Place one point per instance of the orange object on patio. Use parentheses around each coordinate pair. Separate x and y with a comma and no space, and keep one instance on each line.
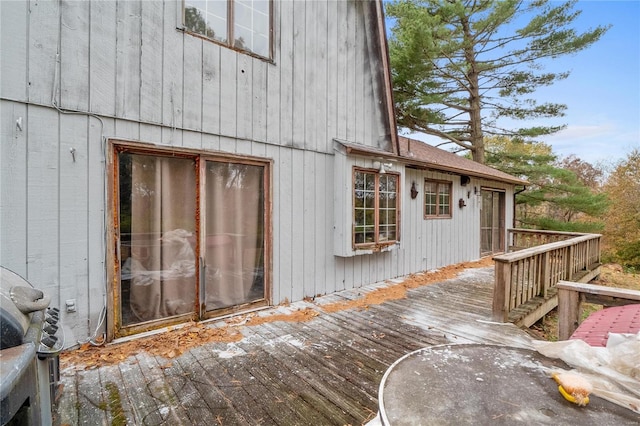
(620,319)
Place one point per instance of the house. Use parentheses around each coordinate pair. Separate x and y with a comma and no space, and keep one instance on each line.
(165,161)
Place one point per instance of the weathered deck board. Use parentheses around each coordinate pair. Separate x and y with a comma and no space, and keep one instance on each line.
(325,371)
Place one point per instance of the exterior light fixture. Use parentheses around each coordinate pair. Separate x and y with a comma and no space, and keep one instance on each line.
(414,191)
(381,166)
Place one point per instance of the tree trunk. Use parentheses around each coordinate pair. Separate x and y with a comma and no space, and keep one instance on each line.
(475,114)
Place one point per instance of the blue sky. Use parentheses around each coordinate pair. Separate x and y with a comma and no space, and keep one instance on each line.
(603,91)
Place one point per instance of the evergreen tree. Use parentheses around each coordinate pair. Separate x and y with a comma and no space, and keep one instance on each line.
(458,66)
(556,198)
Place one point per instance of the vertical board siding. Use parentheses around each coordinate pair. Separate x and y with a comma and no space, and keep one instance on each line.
(13,188)
(192,93)
(73,236)
(96,217)
(244,105)
(13,66)
(128,59)
(172,69)
(151,19)
(74,55)
(312,75)
(273,152)
(284,225)
(130,64)
(44,32)
(300,78)
(259,101)
(43,204)
(102,58)
(309,193)
(211,99)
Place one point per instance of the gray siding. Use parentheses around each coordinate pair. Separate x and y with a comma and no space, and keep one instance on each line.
(121,69)
(124,59)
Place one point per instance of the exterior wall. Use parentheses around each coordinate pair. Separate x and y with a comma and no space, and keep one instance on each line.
(76,73)
(433,243)
(116,69)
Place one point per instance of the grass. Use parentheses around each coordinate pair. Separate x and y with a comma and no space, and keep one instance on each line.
(611,275)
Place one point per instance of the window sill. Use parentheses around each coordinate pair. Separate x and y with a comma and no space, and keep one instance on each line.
(377,248)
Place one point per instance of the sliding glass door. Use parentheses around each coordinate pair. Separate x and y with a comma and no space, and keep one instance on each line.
(492,222)
(190,237)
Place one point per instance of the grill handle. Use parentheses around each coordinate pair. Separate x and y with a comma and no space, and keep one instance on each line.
(29,299)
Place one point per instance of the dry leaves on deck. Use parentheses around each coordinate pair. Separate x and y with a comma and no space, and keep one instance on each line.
(169,344)
(399,291)
(301,315)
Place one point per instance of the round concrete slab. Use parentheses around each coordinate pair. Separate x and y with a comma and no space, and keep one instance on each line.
(484,384)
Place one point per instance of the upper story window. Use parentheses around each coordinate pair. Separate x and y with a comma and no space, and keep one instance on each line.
(375,208)
(437,199)
(242,24)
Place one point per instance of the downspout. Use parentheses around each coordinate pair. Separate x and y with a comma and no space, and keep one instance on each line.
(524,188)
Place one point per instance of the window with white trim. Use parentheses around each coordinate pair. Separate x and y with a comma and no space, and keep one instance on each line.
(241,24)
(437,199)
(375,201)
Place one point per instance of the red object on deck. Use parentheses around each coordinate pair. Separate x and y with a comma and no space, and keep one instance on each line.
(620,319)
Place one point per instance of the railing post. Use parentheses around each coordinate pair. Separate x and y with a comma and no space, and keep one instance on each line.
(568,313)
(569,263)
(501,291)
(545,274)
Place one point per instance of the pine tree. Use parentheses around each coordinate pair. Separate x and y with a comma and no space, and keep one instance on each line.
(459,66)
(555,199)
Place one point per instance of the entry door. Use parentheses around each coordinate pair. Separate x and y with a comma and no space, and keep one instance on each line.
(190,237)
(492,222)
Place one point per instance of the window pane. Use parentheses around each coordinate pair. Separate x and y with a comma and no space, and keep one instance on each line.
(234,234)
(359,217)
(382,200)
(369,217)
(157,203)
(445,199)
(206,17)
(251,26)
(370,236)
(430,198)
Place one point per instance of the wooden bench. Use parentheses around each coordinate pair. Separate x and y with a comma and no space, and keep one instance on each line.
(571,295)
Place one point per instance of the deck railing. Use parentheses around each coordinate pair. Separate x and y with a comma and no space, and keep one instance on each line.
(534,270)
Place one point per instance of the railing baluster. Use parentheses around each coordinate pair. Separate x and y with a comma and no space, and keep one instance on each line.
(533,271)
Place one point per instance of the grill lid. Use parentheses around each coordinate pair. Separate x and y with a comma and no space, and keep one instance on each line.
(18,299)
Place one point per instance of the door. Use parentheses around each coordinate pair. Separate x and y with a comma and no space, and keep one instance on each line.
(492,222)
(234,235)
(190,237)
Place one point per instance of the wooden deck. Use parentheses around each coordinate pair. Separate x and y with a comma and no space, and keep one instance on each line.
(325,371)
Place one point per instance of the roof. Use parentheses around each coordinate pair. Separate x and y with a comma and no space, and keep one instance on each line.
(424,155)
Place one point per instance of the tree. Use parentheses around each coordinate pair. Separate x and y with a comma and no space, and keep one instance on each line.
(458,66)
(587,173)
(556,198)
(622,223)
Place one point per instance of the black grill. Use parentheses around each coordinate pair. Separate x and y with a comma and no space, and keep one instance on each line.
(30,343)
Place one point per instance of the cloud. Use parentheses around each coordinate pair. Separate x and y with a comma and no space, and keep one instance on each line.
(595,143)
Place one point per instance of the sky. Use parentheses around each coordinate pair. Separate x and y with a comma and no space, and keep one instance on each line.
(602,92)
